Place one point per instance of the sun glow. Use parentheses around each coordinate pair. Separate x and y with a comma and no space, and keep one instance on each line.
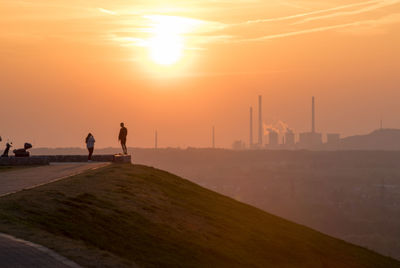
(167,43)
(166,49)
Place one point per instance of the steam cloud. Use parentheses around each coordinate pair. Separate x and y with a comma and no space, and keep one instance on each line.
(279,126)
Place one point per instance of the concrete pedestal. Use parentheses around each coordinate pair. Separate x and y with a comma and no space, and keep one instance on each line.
(122,159)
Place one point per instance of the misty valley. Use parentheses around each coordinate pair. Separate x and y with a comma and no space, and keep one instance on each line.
(352,195)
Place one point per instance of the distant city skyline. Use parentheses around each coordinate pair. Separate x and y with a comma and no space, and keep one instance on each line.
(215,140)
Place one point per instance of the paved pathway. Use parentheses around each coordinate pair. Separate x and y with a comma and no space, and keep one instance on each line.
(19,253)
(17,180)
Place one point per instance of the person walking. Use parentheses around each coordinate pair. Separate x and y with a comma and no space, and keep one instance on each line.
(90,145)
(123,132)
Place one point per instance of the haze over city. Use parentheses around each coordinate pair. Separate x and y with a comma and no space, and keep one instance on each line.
(70,67)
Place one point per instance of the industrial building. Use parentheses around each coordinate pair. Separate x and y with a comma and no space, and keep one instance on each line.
(290,138)
(311,140)
(238,145)
(333,138)
(307,140)
(273,139)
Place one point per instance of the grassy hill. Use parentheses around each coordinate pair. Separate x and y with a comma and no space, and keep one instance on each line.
(124,215)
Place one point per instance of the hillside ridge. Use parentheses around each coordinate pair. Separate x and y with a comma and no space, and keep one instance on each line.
(125,215)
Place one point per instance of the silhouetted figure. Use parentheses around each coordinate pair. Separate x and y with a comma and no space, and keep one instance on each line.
(123,132)
(90,145)
(23,152)
(8,146)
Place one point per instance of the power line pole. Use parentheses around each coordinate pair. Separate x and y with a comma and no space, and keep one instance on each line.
(155,140)
(213,137)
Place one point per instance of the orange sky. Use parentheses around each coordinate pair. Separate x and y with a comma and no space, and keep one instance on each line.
(70,67)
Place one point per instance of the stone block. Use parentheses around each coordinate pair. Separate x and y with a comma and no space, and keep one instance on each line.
(122,159)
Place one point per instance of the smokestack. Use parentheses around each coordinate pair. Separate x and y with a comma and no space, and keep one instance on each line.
(251,128)
(213,137)
(260,125)
(155,140)
(313,116)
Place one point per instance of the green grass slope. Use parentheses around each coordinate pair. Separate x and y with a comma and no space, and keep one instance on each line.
(124,215)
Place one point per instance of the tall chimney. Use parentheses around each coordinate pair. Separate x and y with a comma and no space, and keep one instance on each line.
(260,125)
(251,128)
(155,140)
(213,137)
(313,116)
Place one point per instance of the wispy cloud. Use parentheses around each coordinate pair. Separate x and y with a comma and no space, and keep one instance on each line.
(390,19)
(197,32)
(306,14)
(300,32)
(107,11)
(131,25)
(295,28)
(378,5)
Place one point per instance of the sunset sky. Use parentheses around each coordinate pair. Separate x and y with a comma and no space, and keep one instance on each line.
(72,67)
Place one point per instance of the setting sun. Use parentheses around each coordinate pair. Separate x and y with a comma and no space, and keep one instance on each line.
(167,43)
(166,48)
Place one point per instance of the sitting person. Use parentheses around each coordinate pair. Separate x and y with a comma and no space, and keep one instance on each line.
(8,146)
(23,151)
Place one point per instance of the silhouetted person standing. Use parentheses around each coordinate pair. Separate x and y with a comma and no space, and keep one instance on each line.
(123,132)
(90,145)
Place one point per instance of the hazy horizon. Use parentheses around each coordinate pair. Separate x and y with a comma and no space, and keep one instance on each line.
(72,67)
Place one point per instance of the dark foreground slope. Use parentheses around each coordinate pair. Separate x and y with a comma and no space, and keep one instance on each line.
(135,215)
